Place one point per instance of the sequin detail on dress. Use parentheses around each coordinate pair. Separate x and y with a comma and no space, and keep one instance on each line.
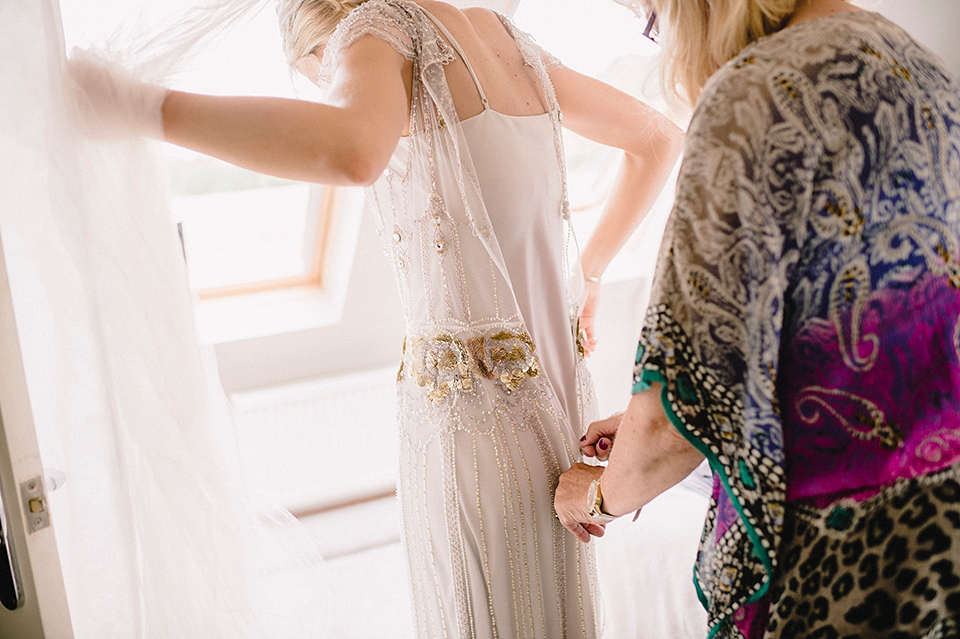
(446,366)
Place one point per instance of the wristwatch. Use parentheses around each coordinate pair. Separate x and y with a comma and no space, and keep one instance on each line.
(595,503)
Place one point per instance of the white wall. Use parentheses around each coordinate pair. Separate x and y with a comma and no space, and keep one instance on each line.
(935,23)
(368,334)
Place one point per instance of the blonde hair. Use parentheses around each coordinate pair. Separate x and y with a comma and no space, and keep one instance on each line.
(702,35)
(308,24)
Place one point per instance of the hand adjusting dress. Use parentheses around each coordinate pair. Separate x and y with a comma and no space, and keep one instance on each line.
(492,391)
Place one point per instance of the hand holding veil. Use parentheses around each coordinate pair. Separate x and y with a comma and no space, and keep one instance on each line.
(113,102)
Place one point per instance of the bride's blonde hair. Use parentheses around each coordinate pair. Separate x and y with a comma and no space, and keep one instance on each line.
(308,24)
(702,35)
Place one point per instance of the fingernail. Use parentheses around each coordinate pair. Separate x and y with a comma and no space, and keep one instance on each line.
(602,444)
(584,438)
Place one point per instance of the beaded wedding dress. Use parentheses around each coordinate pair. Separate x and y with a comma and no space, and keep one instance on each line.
(492,392)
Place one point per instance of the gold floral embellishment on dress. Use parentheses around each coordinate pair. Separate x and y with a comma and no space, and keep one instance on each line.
(506,356)
(445,365)
(581,340)
(402,359)
(442,366)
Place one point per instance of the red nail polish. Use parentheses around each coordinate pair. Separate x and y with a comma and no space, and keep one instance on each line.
(602,444)
(584,438)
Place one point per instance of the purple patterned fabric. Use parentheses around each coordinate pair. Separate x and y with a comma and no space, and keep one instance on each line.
(849,430)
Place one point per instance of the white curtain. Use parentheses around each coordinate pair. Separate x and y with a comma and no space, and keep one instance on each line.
(158,536)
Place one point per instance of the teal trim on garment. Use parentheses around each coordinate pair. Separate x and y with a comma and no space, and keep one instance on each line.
(700,594)
(651,376)
(639,387)
(745,476)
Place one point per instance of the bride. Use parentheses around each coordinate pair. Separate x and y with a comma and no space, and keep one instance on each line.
(452,119)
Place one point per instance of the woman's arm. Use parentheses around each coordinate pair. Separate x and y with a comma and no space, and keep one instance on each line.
(651,145)
(650,457)
(347,140)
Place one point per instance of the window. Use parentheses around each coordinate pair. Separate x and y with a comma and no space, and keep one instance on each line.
(247,233)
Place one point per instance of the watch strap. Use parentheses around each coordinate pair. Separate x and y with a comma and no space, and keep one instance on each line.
(596,509)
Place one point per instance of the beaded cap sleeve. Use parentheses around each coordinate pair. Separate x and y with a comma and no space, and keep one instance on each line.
(817,196)
(391,22)
(528,46)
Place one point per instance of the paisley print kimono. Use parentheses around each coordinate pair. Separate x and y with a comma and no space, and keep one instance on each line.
(805,324)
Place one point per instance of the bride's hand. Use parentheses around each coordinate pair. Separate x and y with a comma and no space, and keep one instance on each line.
(588,317)
(112,102)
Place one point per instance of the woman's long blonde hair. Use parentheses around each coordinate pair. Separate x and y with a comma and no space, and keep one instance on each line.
(308,24)
(702,35)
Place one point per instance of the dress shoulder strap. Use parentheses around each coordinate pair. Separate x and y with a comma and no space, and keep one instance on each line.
(456,46)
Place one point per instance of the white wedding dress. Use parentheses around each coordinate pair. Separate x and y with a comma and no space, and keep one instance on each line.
(492,391)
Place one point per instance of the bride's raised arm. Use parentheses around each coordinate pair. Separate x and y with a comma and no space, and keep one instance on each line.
(347,140)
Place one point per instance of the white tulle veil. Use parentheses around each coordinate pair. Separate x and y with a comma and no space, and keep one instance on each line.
(158,535)
(634,5)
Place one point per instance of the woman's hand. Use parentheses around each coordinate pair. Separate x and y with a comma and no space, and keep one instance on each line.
(570,502)
(652,455)
(112,102)
(598,442)
(588,316)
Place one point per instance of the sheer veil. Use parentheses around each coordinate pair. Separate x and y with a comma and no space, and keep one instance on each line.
(157,533)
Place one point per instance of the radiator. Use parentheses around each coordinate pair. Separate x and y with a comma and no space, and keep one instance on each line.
(318,442)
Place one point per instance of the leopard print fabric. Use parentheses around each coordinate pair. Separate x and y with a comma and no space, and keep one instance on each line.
(887,566)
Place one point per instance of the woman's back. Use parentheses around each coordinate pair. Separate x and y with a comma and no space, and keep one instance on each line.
(511,86)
